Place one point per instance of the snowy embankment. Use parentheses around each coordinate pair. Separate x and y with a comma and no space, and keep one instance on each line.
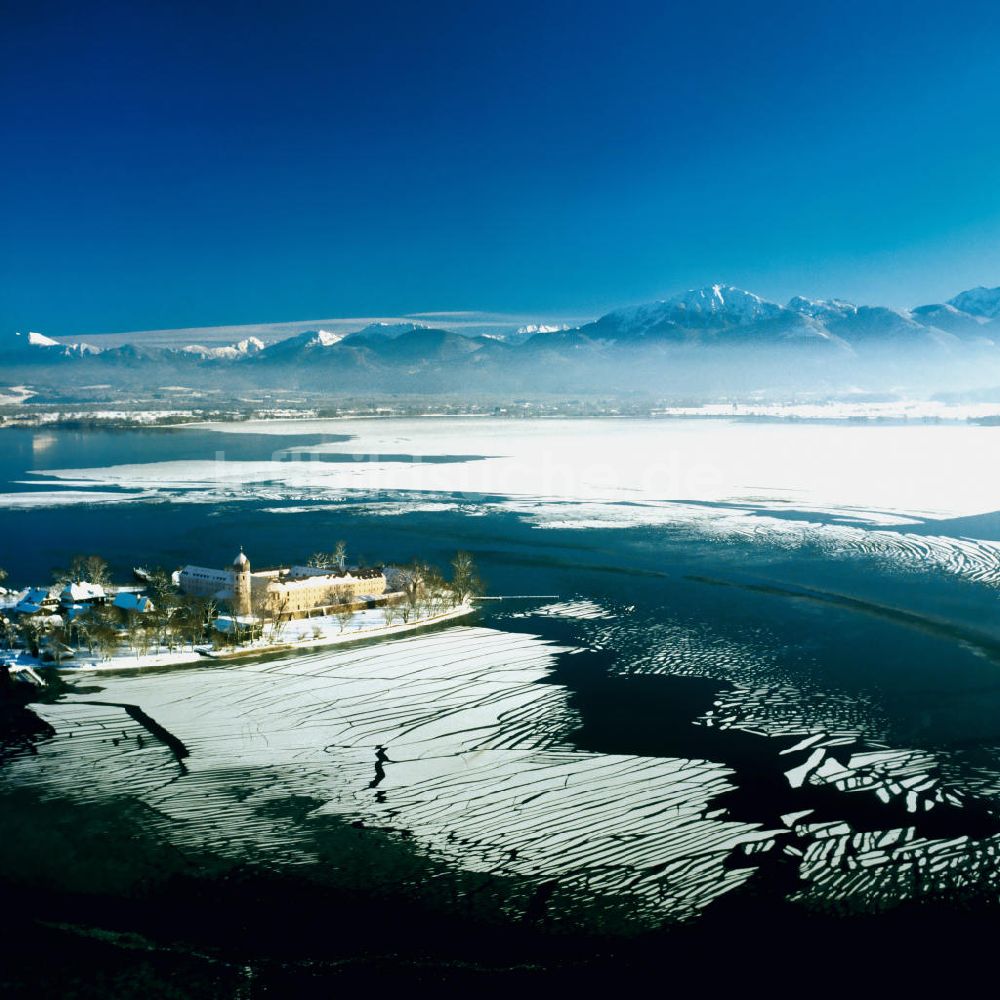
(310,633)
(305,633)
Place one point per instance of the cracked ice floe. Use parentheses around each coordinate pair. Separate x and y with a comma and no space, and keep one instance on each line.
(973,559)
(96,748)
(888,774)
(582,610)
(976,770)
(769,695)
(875,870)
(448,736)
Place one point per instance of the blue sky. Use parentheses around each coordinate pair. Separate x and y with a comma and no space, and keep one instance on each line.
(167,165)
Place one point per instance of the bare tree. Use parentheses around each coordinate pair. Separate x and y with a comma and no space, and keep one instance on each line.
(31,634)
(433,590)
(340,554)
(193,616)
(58,645)
(91,569)
(100,632)
(465,582)
(270,610)
(136,634)
(408,605)
(344,612)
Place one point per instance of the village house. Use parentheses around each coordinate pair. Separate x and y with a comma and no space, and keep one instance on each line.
(127,600)
(38,601)
(79,596)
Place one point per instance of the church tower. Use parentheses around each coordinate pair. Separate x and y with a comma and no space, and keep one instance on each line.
(241,584)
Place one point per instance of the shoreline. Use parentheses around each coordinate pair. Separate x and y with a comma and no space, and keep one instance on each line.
(203,654)
(915,413)
(357,635)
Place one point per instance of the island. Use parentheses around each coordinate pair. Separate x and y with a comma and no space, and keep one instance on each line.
(85,622)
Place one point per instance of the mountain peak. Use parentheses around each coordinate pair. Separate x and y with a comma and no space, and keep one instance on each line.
(715,306)
(822,308)
(50,347)
(251,345)
(979,301)
(385,331)
(721,299)
(325,338)
(40,340)
(531,328)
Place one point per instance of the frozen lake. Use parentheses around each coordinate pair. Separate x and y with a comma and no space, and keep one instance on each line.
(766,675)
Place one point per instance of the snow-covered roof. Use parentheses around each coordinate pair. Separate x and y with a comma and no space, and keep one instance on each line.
(32,601)
(27,608)
(226,623)
(38,594)
(311,573)
(81,590)
(133,602)
(205,573)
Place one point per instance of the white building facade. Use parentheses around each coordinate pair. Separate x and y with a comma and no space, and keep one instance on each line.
(293,592)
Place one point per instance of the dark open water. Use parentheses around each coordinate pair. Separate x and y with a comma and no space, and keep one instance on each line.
(666,647)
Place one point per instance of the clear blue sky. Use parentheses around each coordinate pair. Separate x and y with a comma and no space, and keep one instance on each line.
(167,164)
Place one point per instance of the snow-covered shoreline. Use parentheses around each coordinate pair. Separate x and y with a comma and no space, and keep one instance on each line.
(290,641)
(336,639)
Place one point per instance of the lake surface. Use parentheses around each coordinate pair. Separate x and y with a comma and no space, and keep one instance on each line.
(743,675)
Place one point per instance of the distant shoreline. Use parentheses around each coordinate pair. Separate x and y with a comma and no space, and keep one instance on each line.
(918,413)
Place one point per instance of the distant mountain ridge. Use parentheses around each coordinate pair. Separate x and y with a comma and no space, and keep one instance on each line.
(717,340)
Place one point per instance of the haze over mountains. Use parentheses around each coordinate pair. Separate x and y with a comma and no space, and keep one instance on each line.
(717,341)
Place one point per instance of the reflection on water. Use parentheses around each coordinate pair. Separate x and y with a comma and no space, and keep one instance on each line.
(41,442)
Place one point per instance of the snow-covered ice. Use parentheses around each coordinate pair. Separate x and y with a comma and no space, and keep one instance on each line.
(449,736)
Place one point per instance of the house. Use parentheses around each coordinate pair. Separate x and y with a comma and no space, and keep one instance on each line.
(82,592)
(37,601)
(79,596)
(241,626)
(126,600)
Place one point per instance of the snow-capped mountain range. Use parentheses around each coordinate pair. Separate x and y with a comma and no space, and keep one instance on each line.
(242,349)
(717,336)
(721,311)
